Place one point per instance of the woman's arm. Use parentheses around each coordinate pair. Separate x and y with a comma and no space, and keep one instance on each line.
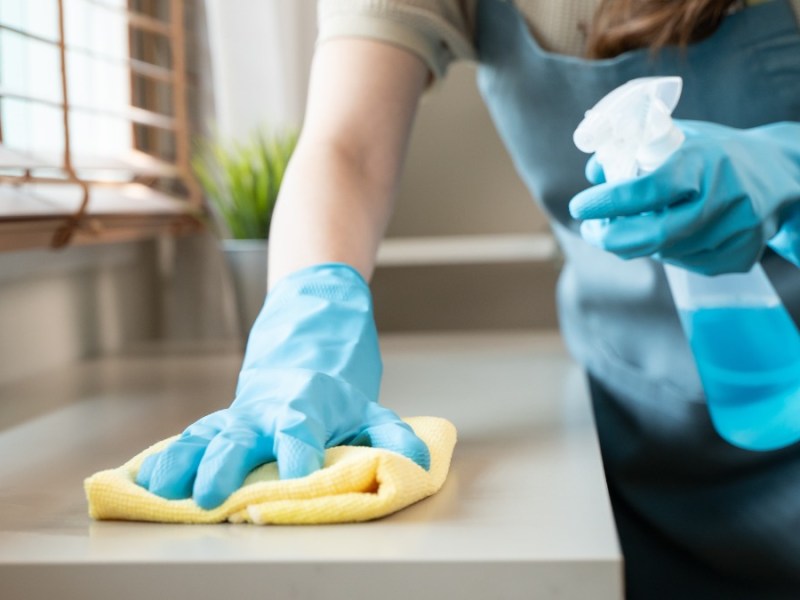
(338,190)
(312,369)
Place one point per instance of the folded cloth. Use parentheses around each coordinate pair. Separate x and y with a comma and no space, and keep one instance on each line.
(357,483)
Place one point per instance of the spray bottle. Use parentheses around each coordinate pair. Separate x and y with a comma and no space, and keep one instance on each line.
(745,345)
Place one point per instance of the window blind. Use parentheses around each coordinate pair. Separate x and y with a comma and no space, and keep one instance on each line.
(94,128)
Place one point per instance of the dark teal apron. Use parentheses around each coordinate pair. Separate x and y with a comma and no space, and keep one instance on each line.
(697,518)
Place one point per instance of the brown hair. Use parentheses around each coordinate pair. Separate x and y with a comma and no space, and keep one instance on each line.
(621,25)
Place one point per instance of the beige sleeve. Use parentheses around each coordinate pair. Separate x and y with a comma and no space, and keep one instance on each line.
(438,31)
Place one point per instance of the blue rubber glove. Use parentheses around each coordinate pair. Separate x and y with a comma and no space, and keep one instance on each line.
(710,208)
(310,380)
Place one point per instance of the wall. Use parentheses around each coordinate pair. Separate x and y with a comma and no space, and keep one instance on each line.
(260,62)
(459,178)
(56,307)
(59,307)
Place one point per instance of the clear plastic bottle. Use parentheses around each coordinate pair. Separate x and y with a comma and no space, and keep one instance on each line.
(745,345)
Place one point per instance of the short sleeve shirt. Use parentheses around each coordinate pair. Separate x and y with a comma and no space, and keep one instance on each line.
(441,31)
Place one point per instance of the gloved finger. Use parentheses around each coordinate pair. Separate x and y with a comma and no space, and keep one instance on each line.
(648,193)
(714,231)
(229,458)
(679,230)
(299,444)
(146,471)
(594,172)
(625,241)
(386,430)
(171,473)
(736,255)
(645,234)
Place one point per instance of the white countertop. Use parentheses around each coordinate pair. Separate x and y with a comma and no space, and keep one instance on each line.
(524,513)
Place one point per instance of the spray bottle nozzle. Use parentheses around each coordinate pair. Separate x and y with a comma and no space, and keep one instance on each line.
(631,129)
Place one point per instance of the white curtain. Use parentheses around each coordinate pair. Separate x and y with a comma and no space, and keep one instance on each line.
(261,53)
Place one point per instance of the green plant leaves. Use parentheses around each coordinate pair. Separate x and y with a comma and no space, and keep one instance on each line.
(242,180)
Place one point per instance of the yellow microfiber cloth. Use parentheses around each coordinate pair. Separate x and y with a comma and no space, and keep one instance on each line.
(356,484)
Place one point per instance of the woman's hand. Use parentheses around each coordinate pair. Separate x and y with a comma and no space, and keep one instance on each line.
(309,381)
(710,208)
(312,368)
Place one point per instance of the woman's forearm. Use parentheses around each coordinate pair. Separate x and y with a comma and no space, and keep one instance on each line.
(328,211)
(338,190)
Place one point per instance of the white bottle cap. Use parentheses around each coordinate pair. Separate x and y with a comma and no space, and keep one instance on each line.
(631,129)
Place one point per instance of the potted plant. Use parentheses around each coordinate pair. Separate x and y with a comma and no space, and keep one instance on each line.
(241,181)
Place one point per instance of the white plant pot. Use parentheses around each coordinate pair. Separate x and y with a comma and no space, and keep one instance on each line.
(247,262)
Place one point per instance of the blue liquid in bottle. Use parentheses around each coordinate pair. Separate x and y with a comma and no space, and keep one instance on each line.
(748,358)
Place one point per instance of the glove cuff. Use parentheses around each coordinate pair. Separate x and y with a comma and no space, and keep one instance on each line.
(329,282)
(337,270)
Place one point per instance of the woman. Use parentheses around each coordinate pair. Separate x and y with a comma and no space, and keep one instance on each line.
(698,518)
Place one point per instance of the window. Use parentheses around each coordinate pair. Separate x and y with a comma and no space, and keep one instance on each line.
(93,122)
